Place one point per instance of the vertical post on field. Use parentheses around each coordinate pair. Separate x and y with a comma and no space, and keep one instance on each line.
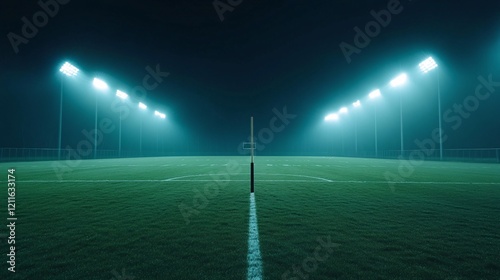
(60,120)
(251,157)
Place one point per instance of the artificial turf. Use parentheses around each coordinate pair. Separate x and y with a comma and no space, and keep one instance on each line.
(173,218)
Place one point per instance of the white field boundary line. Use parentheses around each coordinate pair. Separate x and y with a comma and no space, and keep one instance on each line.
(232,180)
(266,174)
(254,258)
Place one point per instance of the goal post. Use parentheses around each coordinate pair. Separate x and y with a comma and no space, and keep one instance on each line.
(252,154)
(252,148)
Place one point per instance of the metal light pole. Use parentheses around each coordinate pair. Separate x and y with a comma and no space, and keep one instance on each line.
(95,131)
(120,137)
(140,139)
(142,106)
(161,116)
(439,118)
(426,66)
(342,138)
(375,94)
(60,120)
(70,71)
(356,105)
(376,134)
(99,84)
(342,110)
(328,118)
(355,136)
(122,95)
(396,82)
(401,121)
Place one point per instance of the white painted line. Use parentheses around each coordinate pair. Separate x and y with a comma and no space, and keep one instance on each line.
(231,180)
(254,258)
(266,174)
(295,175)
(186,176)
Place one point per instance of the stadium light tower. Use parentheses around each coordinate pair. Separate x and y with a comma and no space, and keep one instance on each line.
(426,66)
(374,95)
(334,117)
(123,96)
(161,116)
(101,85)
(69,71)
(342,111)
(143,107)
(396,82)
(356,104)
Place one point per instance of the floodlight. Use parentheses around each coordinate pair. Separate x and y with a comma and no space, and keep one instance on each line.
(374,94)
(121,94)
(356,104)
(161,115)
(332,117)
(142,106)
(427,65)
(100,84)
(399,80)
(69,70)
(343,110)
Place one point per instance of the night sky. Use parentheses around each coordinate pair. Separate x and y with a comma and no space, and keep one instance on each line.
(263,56)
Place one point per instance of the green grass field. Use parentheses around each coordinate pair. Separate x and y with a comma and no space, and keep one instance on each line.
(188,218)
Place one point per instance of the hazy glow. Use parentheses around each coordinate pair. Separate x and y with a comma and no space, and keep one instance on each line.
(69,70)
(427,65)
(332,117)
(399,80)
(100,84)
(343,110)
(121,94)
(357,103)
(142,106)
(161,115)
(374,94)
